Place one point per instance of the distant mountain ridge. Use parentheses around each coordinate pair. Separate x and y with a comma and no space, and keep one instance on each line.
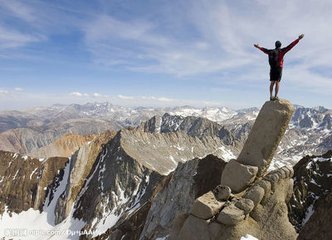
(43,118)
(25,132)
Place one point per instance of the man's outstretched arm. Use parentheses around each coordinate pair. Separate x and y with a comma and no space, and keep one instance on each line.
(290,46)
(264,50)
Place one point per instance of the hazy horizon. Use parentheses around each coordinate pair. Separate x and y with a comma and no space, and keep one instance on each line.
(147,106)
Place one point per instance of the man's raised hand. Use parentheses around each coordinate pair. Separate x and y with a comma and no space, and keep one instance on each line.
(301,36)
(256,45)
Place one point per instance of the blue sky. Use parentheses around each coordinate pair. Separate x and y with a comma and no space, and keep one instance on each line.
(161,52)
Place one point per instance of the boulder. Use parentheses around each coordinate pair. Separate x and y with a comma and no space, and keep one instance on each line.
(267,186)
(222,193)
(247,205)
(265,136)
(231,215)
(206,206)
(238,176)
(255,194)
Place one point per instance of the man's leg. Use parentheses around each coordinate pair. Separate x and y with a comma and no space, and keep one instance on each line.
(271,88)
(277,88)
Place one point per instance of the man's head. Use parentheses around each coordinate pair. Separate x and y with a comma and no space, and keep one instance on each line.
(278,44)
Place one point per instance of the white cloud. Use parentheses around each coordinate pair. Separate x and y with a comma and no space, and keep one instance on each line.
(96,95)
(12,39)
(11,92)
(144,98)
(19,10)
(87,95)
(3,92)
(125,97)
(23,31)
(160,99)
(79,94)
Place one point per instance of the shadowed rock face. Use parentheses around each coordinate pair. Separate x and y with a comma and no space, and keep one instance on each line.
(80,167)
(319,224)
(189,181)
(116,186)
(309,209)
(25,181)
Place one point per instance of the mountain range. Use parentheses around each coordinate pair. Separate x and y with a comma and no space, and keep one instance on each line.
(27,132)
(97,171)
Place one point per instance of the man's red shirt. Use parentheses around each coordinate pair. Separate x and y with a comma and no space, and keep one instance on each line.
(282,52)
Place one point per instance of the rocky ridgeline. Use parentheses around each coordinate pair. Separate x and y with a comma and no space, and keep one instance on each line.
(65,146)
(45,140)
(248,200)
(193,126)
(162,152)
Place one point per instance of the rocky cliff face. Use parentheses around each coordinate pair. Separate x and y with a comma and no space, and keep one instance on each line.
(309,206)
(319,224)
(173,203)
(25,181)
(81,165)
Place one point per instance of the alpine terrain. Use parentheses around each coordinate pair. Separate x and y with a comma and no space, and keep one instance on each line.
(100,171)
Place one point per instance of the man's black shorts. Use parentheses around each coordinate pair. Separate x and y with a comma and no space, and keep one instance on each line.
(275,74)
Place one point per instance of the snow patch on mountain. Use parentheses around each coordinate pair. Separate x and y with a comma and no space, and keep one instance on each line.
(214,114)
(33,224)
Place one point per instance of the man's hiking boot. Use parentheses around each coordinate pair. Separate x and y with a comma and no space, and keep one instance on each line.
(271,98)
(275,99)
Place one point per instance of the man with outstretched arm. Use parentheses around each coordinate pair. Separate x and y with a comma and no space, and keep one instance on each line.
(276,61)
